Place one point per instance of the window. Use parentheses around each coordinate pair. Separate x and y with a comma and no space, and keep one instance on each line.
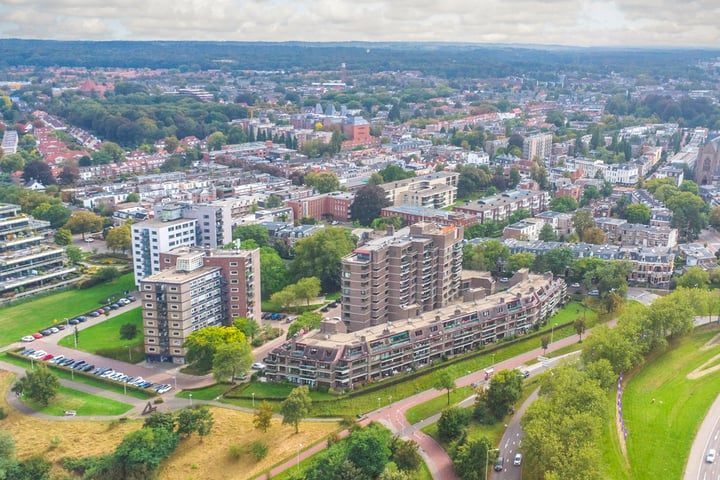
(148,296)
(148,305)
(176,334)
(173,289)
(151,349)
(233,272)
(234,281)
(176,350)
(151,340)
(234,290)
(176,342)
(151,332)
(173,297)
(149,324)
(174,315)
(148,314)
(233,264)
(167,260)
(175,324)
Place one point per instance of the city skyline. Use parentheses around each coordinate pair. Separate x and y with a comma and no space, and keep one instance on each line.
(637,23)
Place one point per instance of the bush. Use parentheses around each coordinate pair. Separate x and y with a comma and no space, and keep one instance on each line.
(259,450)
(3,415)
(55,442)
(235,452)
(158,400)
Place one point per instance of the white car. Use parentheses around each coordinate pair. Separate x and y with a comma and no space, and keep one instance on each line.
(38,354)
(710,457)
(28,338)
(518,459)
(258,366)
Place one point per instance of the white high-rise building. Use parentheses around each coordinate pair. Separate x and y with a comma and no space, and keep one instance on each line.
(151,238)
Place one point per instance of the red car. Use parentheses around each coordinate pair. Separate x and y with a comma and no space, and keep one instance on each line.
(37,335)
(100,311)
(47,357)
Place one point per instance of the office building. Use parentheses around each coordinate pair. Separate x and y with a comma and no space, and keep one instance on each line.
(402,274)
(197,288)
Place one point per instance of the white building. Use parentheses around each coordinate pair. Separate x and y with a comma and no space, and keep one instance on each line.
(151,238)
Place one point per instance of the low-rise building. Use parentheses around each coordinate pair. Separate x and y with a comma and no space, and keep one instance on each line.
(500,207)
(334,358)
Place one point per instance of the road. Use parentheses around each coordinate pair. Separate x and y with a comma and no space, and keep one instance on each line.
(708,437)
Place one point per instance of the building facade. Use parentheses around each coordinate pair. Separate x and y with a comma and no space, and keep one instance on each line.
(500,207)
(153,237)
(336,359)
(200,289)
(437,190)
(28,257)
(334,205)
(416,269)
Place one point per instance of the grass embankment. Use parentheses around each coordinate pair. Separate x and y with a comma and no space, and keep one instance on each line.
(84,404)
(104,338)
(663,409)
(29,317)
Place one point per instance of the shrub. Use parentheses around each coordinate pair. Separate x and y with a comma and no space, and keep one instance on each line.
(259,450)
(235,452)
(55,442)
(158,400)
(3,415)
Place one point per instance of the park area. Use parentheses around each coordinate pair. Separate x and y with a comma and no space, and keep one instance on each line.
(104,338)
(42,312)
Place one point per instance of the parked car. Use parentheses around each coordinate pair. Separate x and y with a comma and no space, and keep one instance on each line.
(594,293)
(54,329)
(575,285)
(37,335)
(45,333)
(258,366)
(27,352)
(518,459)
(93,314)
(27,338)
(81,318)
(504,280)
(60,326)
(47,357)
(57,359)
(74,321)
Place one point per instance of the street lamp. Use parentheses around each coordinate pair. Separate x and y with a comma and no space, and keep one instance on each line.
(487,457)
(191,399)
(552,332)
(298,456)
(253,395)
(378,402)
(129,354)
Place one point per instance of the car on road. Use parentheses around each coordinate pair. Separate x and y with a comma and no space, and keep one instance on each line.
(89,240)
(575,285)
(518,459)
(499,464)
(594,293)
(525,373)
(27,338)
(504,280)
(710,457)
(258,366)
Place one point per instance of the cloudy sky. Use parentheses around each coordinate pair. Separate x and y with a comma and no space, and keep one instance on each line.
(560,22)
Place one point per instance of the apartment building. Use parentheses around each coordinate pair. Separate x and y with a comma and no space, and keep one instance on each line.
(652,267)
(213,220)
(413,270)
(621,232)
(28,257)
(437,190)
(333,205)
(412,215)
(200,289)
(561,222)
(9,142)
(153,237)
(500,207)
(539,145)
(336,358)
(528,229)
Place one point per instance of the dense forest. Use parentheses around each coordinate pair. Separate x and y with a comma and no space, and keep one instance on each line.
(445,60)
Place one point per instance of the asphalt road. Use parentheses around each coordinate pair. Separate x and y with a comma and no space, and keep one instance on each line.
(708,437)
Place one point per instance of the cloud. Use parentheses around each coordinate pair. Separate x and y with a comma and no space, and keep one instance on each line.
(564,22)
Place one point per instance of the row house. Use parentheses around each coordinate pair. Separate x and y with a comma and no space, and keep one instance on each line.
(335,358)
(621,232)
(500,207)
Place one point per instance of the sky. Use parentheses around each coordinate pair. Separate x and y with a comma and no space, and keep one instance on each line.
(653,23)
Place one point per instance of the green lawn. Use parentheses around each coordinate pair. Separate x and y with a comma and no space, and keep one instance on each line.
(83,403)
(663,409)
(208,393)
(104,338)
(29,317)
(93,381)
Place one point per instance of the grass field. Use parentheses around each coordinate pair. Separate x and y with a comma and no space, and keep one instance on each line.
(83,403)
(87,380)
(104,338)
(29,317)
(663,409)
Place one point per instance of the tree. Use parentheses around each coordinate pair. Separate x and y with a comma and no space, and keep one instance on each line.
(368,203)
(296,406)
(556,260)
(171,144)
(202,344)
(394,173)
(63,237)
(519,261)
(452,423)
(470,459)
(405,454)
(307,288)
(119,238)
(544,342)
(197,418)
(74,254)
(84,222)
(368,449)
(248,326)
(594,236)
(40,171)
(132,197)
(216,140)
(547,233)
(504,390)
(582,221)
(688,214)
(263,417)
(141,451)
(492,252)
(714,217)
(128,331)
(252,232)
(273,272)
(579,325)
(285,297)
(445,381)
(307,321)
(694,277)
(637,213)
(12,163)
(56,214)
(164,420)
(320,256)
(323,182)
(231,358)
(40,385)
